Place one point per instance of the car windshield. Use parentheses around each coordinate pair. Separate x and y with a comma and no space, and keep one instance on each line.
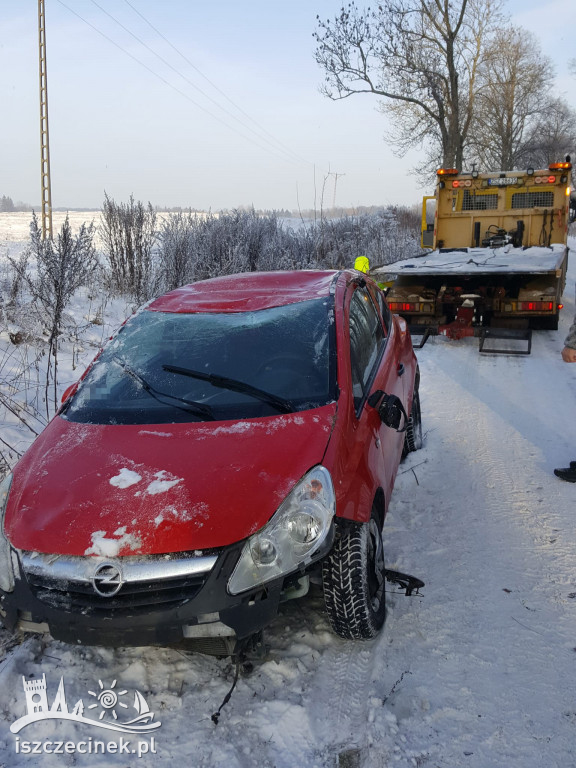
(166,367)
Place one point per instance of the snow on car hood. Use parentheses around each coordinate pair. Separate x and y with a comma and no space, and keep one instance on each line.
(85,489)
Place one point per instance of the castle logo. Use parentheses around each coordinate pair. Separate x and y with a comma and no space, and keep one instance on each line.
(112,708)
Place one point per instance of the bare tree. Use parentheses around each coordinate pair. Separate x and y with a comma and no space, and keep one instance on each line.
(62,268)
(552,135)
(6,204)
(512,102)
(421,57)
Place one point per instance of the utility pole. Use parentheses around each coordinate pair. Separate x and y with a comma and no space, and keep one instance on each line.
(44,139)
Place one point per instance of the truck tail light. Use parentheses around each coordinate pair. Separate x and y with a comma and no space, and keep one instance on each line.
(402,306)
(535,306)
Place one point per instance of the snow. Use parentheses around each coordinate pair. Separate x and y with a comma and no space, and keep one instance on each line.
(15,227)
(108,547)
(481,260)
(125,478)
(162,483)
(163,480)
(476,672)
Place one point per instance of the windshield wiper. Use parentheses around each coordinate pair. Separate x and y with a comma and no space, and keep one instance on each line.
(188,405)
(223,382)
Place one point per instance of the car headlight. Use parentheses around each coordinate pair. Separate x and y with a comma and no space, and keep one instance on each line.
(290,539)
(6,569)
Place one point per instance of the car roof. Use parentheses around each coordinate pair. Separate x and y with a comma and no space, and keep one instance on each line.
(248,291)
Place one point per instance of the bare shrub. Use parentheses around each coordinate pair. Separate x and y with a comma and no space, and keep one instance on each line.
(195,248)
(17,279)
(389,235)
(61,269)
(21,400)
(177,249)
(129,234)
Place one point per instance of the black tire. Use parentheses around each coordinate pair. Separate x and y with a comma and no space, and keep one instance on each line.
(413,437)
(354,582)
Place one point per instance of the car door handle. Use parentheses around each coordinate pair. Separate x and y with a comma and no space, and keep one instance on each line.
(400,370)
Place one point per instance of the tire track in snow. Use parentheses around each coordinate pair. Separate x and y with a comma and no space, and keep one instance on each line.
(515,487)
(343,683)
(492,528)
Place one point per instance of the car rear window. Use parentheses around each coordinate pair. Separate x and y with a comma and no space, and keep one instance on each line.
(152,371)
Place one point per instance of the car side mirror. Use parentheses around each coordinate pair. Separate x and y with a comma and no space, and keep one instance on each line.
(390,409)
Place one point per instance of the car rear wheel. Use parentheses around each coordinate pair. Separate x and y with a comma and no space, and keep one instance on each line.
(413,436)
(353,580)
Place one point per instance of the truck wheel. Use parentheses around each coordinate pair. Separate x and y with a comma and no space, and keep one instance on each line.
(413,436)
(353,580)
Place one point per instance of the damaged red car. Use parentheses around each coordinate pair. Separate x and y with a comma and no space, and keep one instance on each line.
(235,436)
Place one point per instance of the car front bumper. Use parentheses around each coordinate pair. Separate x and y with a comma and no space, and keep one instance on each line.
(161,600)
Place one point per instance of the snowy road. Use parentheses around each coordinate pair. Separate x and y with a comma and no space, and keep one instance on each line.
(478,672)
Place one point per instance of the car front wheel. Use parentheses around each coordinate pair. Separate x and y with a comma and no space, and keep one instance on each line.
(353,580)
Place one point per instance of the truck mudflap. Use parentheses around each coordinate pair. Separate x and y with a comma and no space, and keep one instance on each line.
(518,341)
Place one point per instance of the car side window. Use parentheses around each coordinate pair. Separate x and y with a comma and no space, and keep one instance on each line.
(367,339)
(384,311)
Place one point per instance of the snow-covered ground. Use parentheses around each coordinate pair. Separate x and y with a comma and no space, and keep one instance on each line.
(15,227)
(478,671)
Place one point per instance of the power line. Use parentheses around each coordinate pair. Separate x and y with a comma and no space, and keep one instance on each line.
(166,82)
(211,83)
(178,72)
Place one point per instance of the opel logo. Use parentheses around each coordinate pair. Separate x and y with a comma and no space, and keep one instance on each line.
(107,580)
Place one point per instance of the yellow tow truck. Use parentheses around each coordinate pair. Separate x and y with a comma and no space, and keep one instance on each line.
(495,257)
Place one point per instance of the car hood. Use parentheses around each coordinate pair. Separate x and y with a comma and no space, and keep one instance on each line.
(85,489)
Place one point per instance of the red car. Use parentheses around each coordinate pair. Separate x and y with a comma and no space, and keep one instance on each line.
(235,434)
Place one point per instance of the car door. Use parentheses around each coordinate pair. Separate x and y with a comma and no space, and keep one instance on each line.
(374,365)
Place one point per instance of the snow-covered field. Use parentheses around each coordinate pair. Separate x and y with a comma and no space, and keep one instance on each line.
(15,227)
(477,672)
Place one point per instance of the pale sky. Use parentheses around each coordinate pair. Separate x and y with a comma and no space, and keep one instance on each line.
(126,121)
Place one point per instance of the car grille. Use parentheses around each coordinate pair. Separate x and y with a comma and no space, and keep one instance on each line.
(133,598)
(66,584)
